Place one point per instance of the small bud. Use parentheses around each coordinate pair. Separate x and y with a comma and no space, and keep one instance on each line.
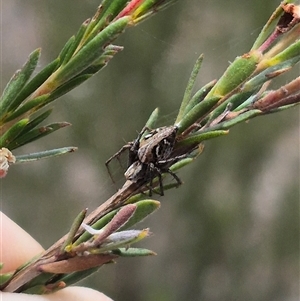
(6,157)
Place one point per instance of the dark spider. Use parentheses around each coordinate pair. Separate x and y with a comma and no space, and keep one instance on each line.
(138,171)
(149,156)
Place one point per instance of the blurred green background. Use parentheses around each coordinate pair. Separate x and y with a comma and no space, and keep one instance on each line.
(231,232)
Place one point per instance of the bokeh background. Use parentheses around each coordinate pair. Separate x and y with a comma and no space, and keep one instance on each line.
(231,232)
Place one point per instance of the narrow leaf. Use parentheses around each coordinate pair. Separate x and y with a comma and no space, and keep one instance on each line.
(189,88)
(91,51)
(32,106)
(72,278)
(143,8)
(109,53)
(198,111)
(236,74)
(37,134)
(45,154)
(230,123)
(196,138)
(65,88)
(73,46)
(144,208)
(73,230)
(110,9)
(270,73)
(4,278)
(235,100)
(66,50)
(199,96)
(36,121)
(12,133)
(17,82)
(37,81)
(141,211)
(288,53)
(152,120)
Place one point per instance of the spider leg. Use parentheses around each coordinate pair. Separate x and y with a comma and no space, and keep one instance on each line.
(153,172)
(142,132)
(116,156)
(134,147)
(136,143)
(151,175)
(163,169)
(161,187)
(119,152)
(177,179)
(173,160)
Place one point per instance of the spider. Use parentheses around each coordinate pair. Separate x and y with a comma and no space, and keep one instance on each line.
(147,172)
(149,156)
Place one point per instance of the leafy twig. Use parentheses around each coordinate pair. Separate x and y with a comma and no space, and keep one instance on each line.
(239,95)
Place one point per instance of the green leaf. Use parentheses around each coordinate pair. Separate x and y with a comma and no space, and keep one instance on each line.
(36,82)
(73,230)
(197,112)
(241,69)
(32,106)
(65,88)
(45,154)
(38,284)
(12,133)
(152,120)
(230,123)
(72,278)
(36,121)
(37,134)
(90,52)
(199,96)
(287,54)
(70,50)
(149,8)
(109,10)
(109,53)
(189,88)
(4,278)
(198,137)
(39,289)
(183,163)
(282,108)
(17,82)
(66,51)
(144,8)
(144,208)
(269,73)
(235,100)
